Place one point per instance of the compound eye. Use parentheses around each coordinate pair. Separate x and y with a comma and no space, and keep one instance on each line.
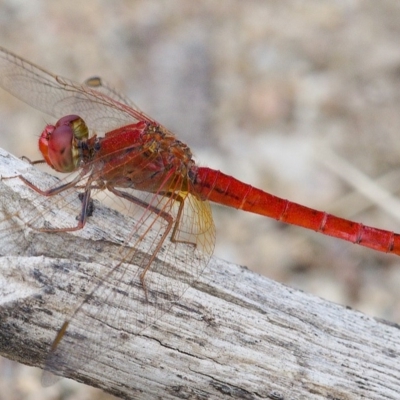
(58,144)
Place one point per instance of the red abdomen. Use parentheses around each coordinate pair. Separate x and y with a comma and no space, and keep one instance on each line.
(226,190)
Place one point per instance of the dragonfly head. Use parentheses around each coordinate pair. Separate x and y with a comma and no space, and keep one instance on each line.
(59,143)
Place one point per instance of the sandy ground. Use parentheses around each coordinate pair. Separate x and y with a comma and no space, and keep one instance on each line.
(300,98)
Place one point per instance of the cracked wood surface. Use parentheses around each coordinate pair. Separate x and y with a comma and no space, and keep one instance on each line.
(234,334)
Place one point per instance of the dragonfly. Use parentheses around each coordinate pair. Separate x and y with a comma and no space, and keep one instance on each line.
(113,146)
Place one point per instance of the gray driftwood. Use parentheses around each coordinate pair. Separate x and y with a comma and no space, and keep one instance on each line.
(233,335)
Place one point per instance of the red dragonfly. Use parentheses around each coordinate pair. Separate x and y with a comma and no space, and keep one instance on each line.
(143,163)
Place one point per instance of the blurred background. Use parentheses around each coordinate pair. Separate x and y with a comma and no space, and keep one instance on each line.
(300,98)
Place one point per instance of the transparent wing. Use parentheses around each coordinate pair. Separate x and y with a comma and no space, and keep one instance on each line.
(121,305)
(114,305)
(171,236)
(58,96)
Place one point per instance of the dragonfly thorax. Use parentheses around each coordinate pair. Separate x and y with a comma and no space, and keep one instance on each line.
(146,157)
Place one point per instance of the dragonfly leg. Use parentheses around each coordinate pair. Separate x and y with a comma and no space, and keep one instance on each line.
(32,162)
(85,199)
(181,201)
(53,191)
(167,217)
(174,238)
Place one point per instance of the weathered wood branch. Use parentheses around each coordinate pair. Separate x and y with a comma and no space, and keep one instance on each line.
(234,334)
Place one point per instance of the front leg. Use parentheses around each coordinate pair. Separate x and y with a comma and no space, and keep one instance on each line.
(86,201)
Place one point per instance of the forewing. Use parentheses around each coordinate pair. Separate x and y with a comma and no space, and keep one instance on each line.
(58,96)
